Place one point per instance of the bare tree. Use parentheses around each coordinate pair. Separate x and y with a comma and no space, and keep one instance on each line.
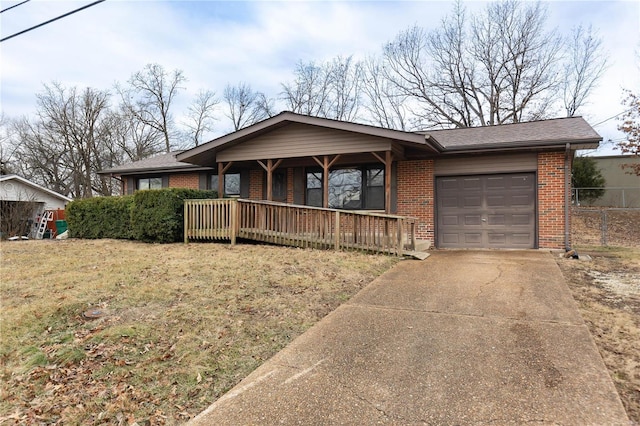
(330,90)
(132,140)
(499,66)
(308,94)
(149,95)
(244,105)
(6,148)
(345,81)
(65,146)
(584,66)
(200,115)
(386,106)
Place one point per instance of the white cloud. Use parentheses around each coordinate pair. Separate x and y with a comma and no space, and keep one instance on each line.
(217,42)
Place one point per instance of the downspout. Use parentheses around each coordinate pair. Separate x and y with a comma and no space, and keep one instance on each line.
(567,200)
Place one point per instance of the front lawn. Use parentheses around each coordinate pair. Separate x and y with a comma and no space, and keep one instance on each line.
(177,325)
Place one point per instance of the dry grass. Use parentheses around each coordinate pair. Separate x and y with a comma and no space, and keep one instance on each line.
(180,325)
(607,290)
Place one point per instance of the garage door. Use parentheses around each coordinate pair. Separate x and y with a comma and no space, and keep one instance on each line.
(486,211)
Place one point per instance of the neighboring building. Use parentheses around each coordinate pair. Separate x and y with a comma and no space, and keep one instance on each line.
(622,187)
(14,188)
(22,202)
(502,186)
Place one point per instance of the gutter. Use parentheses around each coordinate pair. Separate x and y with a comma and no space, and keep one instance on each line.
(567,172)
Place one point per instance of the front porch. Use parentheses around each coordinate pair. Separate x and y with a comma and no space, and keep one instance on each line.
(298,226)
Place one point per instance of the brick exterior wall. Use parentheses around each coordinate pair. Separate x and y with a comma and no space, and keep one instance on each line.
(415,195)
(551,199)
(184,180)
(290,185)
(255,184)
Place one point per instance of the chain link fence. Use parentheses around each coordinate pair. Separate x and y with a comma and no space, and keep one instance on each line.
(606,226)
(618,197)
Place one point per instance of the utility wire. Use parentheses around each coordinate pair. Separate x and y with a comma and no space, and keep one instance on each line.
(15,5)
(52,20)
(612,117)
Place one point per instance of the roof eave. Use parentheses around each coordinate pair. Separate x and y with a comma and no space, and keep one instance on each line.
(124,172)
(558,144)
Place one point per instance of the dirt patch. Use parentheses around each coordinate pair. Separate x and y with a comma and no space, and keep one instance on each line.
(621,227)
(607,290)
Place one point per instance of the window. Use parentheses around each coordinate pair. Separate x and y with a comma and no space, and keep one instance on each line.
(350,188)
(231,184)
(150,183)
(314,189)
(345,189)
(374,189)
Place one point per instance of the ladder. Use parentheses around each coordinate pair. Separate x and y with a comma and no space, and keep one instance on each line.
(47,216)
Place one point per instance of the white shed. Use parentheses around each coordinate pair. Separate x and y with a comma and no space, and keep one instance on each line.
(16,188)
(22,202)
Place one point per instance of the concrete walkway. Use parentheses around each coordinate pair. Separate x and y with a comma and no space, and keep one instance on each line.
(465,337)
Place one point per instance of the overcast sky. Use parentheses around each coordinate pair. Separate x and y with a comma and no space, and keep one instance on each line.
(215,43)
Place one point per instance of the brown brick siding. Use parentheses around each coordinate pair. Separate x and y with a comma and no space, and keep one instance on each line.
(415,195)
(551,199)
(184,180)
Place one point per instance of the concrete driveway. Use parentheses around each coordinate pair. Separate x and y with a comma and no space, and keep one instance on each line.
(465,337)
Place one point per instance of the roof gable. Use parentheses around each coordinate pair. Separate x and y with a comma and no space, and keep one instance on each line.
(35,186)
(206,153)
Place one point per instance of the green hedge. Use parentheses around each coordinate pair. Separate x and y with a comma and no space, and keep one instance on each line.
(158,215)
(150,215)
(100,217)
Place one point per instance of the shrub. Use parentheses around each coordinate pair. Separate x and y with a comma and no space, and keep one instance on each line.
(586,174)
(158,215)
(100,217)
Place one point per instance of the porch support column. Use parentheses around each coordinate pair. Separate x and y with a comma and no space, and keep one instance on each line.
(269,168)
(222,169)
(326,164)
(387,161)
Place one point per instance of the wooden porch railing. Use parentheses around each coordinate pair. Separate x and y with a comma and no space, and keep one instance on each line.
(298,226)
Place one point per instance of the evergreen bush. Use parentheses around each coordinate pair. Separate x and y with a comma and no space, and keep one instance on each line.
(100,217)
(158,215)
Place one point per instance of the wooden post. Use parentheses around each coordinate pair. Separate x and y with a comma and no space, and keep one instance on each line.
(233,220)
(326,165)
(387,182)
(186,221)
(336,231)
(222,169)
(387,161)
(400,241)
(269,168)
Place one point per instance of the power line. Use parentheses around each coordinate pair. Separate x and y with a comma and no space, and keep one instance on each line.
(15,5)
(52,20)
(612,117)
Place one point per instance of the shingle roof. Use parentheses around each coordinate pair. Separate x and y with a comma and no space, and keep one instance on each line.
(531,134)
(543,134)
(160,162)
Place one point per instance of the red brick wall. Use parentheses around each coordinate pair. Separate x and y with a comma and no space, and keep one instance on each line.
(184,180)
(415,195)
(290,185)
(551,199)
(255,184)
